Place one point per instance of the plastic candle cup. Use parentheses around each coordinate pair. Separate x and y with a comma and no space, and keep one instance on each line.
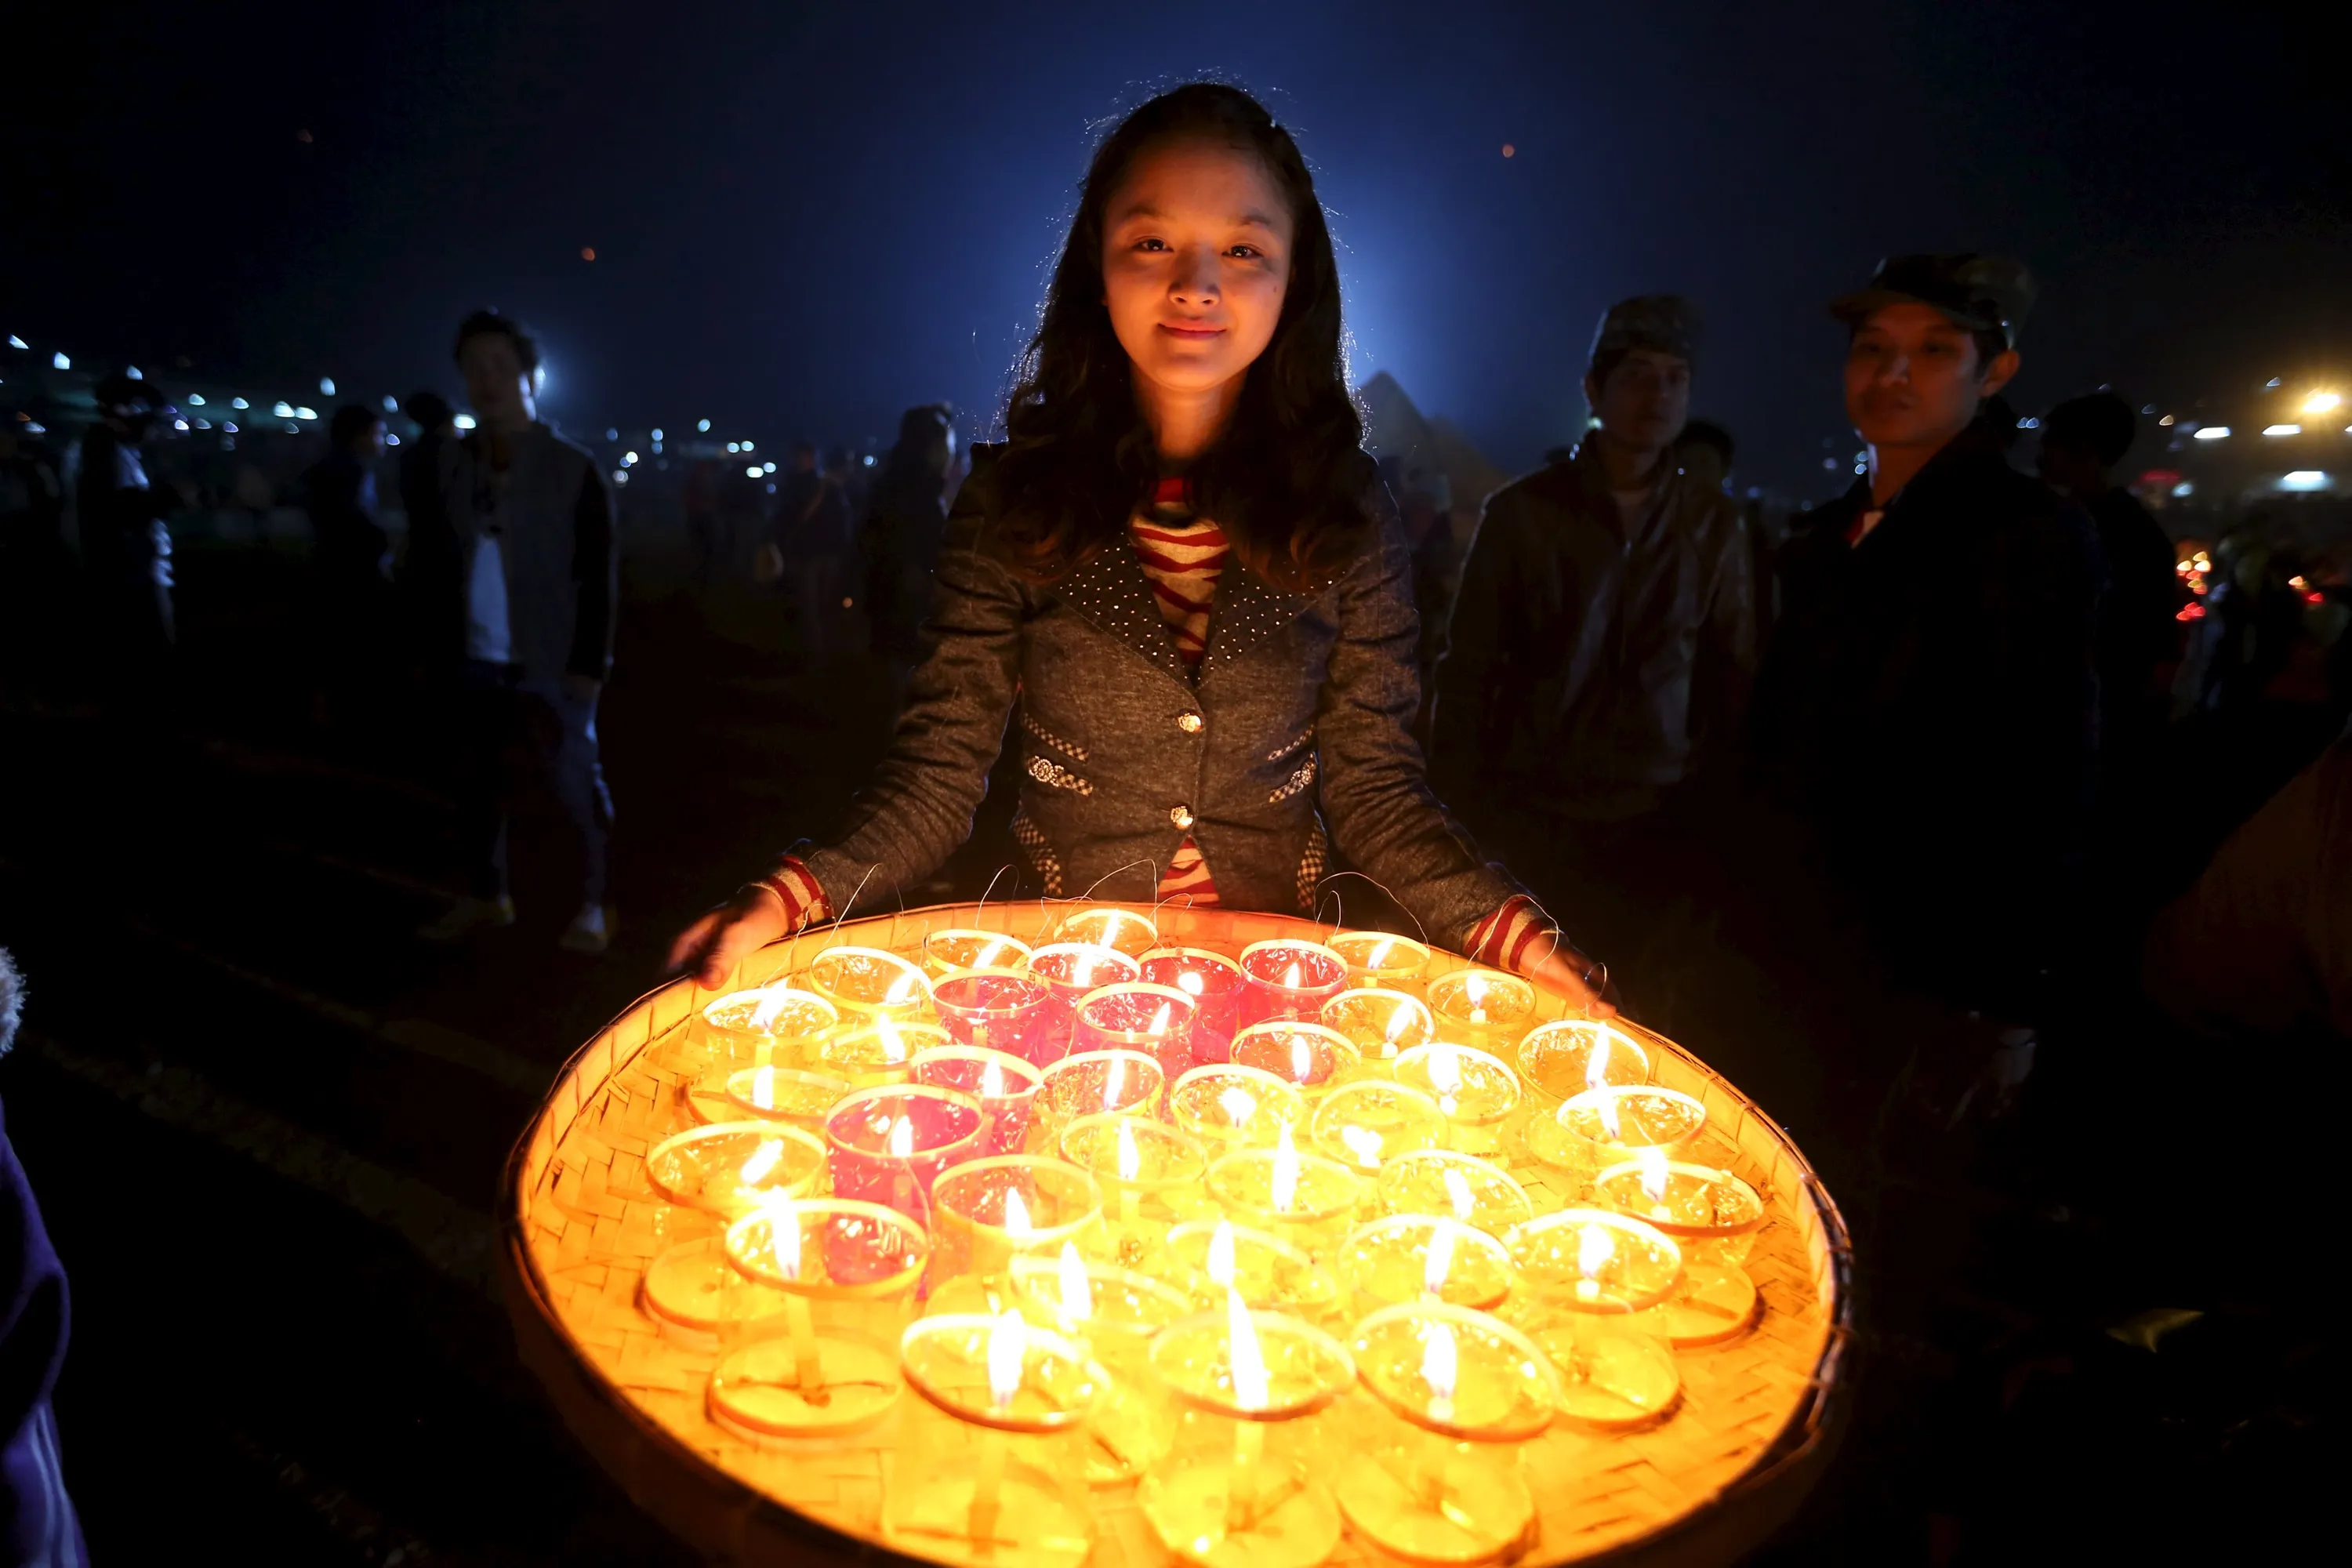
(1605,1127)
(1712,1216)
(1242,1485)
(773,1026)
(1476,1092)
(1380,1023)
(1208,1258)
(887,1145)
(696,1299)
(990,1460)
(1461,1387)
(1149,1171)
(1005,1086)
(1004,1011)
(1461,1186)
(1304,1199)
(877,1051)
(729,1168)
(792,1095)
(1572,1055)
(1214,982)
(1074,971)
(1585,1274)
(1111,1313)
(1365,1124)
(871,982)
(1288,978)
(1309,1058)
(840,1266)
(1231,1107)
(1484,1007)
(1100,1083)
(1421,1257)
(947,953)
(987,1212)
(1121,931)
(1137,1016)
(1375,958)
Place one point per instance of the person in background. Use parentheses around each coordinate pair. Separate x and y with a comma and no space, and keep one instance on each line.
(904,523)
(539,581)
(350,557)
(1602,648)
(810,533)
(1706,451)
(126,549)
(1928,708)
(38,1527)
(1423,502)
(35,568)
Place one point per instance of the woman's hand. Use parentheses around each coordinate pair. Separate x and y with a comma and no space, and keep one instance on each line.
(1564,972)
(713,945)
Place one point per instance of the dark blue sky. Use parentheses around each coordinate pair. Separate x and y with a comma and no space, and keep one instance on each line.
(805,217)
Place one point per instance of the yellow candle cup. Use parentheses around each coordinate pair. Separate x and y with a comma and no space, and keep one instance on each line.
(1485,1006)
(1603,1127)
(1377,959)
(729,1168)
(871,982)
(1228,1107)
(1417,1257)
(1365,1124)
(1122,930)
(1381,1024)
(880,1051)
(1474,1090)
(1305,1199)
(947,953)
(1572,1054)
(1207,1258)
(1462,1186)
(1150,1176)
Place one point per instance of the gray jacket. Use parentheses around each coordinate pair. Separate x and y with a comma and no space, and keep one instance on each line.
(1303,701)
(558,545)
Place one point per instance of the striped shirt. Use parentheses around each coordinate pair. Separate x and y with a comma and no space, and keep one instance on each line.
(1184,556)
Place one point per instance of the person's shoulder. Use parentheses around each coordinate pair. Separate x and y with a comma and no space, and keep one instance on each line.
(571,452)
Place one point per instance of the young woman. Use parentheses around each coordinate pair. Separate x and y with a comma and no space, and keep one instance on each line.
(1179,567)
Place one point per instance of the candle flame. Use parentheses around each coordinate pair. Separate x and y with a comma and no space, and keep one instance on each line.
(1159,1020)
(1439,1262)
(1220,1261)
(902,989)
(1440,1366)
(770,1003)
(1473,990)
(1302,1060)
(1400,1020)
(1379,952)
(1008,1347)
(1131,1159)
(1250,1382)
(1363,1143)
(764,1089)
(1115,1083)
(1596,1065)
(986,957)
(992,1081)
(1446,1076)
(1285,1180)
(1191,985)
(1017,1214)
(894,1045)
(902,1138)
(1290,978)
(1653,1162)
(1082,965)
(784,1240)
(764,1159)
(1077,1296)
(1605,1106)
(1238,1104)
(1457,1193)
(1594,1248)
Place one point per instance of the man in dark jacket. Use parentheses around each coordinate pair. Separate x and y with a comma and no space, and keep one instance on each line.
(1601,648)
(535,524)
(1929,704)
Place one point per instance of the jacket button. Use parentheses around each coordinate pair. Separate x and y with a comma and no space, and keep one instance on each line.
(1191,723)
(1181,816)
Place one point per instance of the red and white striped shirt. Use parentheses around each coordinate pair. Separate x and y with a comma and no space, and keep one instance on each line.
(1184,555)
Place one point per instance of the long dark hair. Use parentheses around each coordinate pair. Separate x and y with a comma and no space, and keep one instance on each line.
(1288,479)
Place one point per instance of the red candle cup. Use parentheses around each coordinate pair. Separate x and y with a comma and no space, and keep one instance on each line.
(1154,1019)
(1211,980)
(1289,979)
(1074,971)
(887,1145)
(999,1010)
(1005,1085)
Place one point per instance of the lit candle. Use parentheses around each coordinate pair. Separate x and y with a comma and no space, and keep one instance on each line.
(1233,1107)
(1150,1169)
(1572,1055)
(1138,1016)
(1112,1314)
(771,1094)
(1121,931)
(882,1051)
(1305,1199)
(1601,1127)
(947,953)
(1476,1092)
(888,1145)
(1001,1011)
(1585,1273)
(774,1025)
(1288,978)
(1712,1216)
(1309,1058)
(1005,1086)
(1214,982)
(1367,1123)
(1484,1005)
(1210,1257)
(729,1168)
(1376,958)
(1463,1186)
(1408,1258)
(1463,1388)
(1100,1083)
(1075,970)
(988,1211)
(871,982)
(1380,1023)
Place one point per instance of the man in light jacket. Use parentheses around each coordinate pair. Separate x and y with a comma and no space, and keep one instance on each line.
(540,575)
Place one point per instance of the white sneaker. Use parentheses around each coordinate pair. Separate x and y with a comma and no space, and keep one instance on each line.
(466,917)
(591,930)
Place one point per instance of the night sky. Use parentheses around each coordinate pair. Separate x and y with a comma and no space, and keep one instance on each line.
(804,219)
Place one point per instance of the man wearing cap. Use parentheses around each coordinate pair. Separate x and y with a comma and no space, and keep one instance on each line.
(1602,645)
(1928,703)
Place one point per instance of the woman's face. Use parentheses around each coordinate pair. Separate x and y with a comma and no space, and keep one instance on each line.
(1196,260)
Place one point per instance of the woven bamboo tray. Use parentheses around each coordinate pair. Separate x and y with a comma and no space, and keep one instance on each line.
(1758,1420)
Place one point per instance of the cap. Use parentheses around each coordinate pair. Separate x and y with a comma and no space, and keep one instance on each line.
(1982,293)
(1664,323)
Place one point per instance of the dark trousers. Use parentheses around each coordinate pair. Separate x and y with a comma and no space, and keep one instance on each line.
(506,719)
